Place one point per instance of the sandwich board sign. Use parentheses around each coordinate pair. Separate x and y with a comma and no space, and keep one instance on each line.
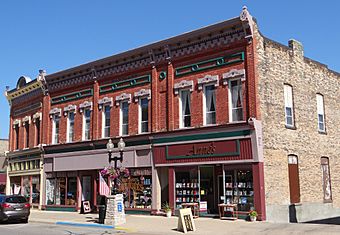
(185,221)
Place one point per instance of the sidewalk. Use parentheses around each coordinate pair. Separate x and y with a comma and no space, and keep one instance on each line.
(161,225)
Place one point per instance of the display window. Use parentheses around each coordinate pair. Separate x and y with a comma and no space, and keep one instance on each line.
(137,189)
(239,189)
(61,191)
(35,189)
(187,186)
(26,187)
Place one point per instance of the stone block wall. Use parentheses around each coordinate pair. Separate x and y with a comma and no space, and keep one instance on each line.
(278,65)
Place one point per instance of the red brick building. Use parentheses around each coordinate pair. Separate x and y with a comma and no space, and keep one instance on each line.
(186,108)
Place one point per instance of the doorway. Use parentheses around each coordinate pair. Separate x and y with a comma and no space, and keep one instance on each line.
(207,188)
(86,189)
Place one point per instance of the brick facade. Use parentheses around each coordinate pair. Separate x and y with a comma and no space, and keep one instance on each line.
(214,51)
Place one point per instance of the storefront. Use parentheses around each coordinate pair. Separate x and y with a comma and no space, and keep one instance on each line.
(210,172)
(73,177)
(24,174)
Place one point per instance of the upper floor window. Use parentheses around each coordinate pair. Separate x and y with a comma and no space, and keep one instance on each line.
(27,134)
(321,113)
(124,118)
(235,100)
(184,109)
(16,129)
(55,129)
(106,121)
(209,105)
(70,127)
(143,115)
(289,109)
(87,124)
(37,131)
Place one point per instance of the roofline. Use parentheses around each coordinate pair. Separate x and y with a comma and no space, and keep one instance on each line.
(148,47)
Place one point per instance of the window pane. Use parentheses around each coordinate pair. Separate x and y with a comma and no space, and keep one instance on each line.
(236,100)
(210,97)
(145,127)
(35,189)
(37,126)
(71,126)
(187,121)
(87,124)
(125,117)
(186,109)
(107,111)
(71,191)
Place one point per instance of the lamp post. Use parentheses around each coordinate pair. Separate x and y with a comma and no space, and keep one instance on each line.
(110,147)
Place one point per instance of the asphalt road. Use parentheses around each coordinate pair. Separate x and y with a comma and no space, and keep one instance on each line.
(51,229)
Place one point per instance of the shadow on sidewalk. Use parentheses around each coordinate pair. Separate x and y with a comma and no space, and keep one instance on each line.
(334,220)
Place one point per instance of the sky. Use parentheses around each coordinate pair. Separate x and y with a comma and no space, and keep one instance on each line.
(56,35)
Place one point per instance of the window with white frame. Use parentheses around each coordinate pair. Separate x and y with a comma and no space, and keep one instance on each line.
(289,109)
(321,113)
(143,115)
(124,118)
(184,109)
(106,121)
(87,124)
(209,105)
(55,129)
(70,127)
(235,100)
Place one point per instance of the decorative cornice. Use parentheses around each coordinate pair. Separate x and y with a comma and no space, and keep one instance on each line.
(70,108)
(142,93)
(16,122)
(85,105)
(105,101)
(72,96)
(55,112)
(247,23)
(26,119)
(234,73)
(208,79)
(123,97)
(197,41)
(184,84)
(36,116)
(26,109)
(125,83)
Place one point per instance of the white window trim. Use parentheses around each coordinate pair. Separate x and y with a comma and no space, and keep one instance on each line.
(68,127)
(54,128)
(140,115)
(84,122)
(180,105)
(320,109)
(230,105)
(103,119)
(121,117)
(287,105)
(204,104)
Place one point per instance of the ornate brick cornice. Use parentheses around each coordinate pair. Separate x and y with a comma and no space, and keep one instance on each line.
(16,122)
(208,79)
(105,101)
(85,105)
(183,85)
(142,93)
(70,108)
(234,73)
(55,112)
(123,97)
(36,116)
(26,119)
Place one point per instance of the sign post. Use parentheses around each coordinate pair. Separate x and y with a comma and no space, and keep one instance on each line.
(115,214)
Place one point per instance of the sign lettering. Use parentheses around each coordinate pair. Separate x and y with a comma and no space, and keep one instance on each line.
(202,150)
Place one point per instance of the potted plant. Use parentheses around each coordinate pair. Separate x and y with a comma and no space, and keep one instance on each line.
(252,215)
(167,209)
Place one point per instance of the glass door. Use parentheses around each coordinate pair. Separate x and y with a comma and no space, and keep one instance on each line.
(86,188)
(207,188)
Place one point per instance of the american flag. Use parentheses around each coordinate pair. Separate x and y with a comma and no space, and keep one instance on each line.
(103,187)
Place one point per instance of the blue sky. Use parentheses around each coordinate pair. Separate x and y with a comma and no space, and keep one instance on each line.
(55,35)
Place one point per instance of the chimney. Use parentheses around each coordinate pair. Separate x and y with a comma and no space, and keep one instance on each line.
(296,47)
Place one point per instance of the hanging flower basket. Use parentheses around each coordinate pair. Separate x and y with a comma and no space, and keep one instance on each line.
(115,173)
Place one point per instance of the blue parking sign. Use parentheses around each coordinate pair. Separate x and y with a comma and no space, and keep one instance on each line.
(119,207)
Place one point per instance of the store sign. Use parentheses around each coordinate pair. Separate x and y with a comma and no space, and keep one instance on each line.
(204,149)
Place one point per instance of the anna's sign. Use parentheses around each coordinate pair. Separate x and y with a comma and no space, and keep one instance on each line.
(204,149)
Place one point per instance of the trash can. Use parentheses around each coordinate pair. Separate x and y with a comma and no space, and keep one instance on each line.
(102,212)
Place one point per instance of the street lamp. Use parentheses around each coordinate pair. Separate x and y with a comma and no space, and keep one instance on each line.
(110,146)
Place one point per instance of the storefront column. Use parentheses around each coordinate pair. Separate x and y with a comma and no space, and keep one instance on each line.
(156,191)
(95,190)
(79,196)
(42,196)
(259,194)
(171,171)
(8,183)
(31,190)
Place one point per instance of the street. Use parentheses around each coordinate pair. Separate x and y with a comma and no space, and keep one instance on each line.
(51,229)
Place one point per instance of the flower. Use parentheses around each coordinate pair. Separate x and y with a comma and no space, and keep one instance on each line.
(253,213)
(113,173)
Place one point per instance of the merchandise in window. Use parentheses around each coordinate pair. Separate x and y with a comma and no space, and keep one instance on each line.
(71,191)
(187,186)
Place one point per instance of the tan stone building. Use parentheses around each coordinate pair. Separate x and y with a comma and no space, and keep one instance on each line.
(300,113)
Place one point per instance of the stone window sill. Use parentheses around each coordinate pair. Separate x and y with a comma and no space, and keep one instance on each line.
(290,127)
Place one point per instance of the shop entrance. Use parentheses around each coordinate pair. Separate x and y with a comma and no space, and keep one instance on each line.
(207,188)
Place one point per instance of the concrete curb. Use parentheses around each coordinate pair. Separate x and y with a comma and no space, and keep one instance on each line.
(84,225)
